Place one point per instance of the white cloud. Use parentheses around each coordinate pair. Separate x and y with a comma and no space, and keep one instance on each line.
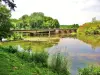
(66,11)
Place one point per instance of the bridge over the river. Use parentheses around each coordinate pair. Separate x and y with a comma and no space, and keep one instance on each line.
(56,31)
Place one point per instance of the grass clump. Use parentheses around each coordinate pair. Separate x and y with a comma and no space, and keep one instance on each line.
(41,57)
(91,70)
(59,64)
(38,58)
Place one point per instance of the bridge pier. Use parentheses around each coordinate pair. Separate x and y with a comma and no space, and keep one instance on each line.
(31,34)
(56,31)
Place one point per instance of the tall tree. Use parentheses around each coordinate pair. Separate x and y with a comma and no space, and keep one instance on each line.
(5,23)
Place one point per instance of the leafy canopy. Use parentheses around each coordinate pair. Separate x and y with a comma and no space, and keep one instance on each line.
(36,20)
(5,24)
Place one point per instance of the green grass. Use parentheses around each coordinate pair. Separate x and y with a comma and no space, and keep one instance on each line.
(74,26)
(36,46)
(13,62)
(91,28)
(58,63)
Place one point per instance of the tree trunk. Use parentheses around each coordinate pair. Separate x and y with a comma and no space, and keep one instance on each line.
(0,39)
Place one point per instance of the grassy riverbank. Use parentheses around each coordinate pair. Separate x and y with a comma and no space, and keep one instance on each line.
(90,28)
(41,38)
(13,62)
(37,44)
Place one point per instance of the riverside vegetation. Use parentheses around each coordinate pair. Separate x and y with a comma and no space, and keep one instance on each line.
(90,33)
(14,62)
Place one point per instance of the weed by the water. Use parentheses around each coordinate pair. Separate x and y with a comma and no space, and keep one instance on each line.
(91,70)
(59,64)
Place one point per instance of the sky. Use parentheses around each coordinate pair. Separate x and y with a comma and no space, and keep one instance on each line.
(66,11)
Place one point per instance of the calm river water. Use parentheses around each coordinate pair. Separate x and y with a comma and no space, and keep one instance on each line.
(80,53)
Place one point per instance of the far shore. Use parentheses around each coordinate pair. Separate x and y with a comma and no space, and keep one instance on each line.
(41,38)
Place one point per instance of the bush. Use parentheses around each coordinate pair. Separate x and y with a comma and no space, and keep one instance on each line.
(24,55)
(91,28)
(9,49)
(12,49)
(38,58)
(92,70)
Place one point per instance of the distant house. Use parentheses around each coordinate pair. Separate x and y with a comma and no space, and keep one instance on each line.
(94,19)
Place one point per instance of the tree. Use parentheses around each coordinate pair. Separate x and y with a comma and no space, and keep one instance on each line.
(51,23)
(10,3)
(5,23)
(36,20)
(14,23)
(56,23)
(24,21)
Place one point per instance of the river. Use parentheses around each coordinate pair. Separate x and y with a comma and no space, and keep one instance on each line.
(81,54)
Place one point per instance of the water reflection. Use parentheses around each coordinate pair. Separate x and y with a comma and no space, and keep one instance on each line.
(94,41)
(81,53)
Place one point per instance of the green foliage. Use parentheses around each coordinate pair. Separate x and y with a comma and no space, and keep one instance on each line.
(36,20)
(36,46)
(17,36)
(24,63)
(59,64)
(10,3)
(74,26)
(89,28)
(4,64)
(41,57)
(37,58)
(9,49)
(5,23)
(92,70)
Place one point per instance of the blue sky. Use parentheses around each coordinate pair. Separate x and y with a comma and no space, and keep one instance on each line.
(66,11)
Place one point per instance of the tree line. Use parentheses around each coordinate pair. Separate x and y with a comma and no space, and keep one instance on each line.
(74,26)
(36,20)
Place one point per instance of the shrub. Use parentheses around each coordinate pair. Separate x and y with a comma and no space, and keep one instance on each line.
(92,70)
(91,28)
(24,55)
(9,49)
(12,49)
(38,58)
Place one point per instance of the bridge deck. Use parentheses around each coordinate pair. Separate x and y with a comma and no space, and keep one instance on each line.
(43,30)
